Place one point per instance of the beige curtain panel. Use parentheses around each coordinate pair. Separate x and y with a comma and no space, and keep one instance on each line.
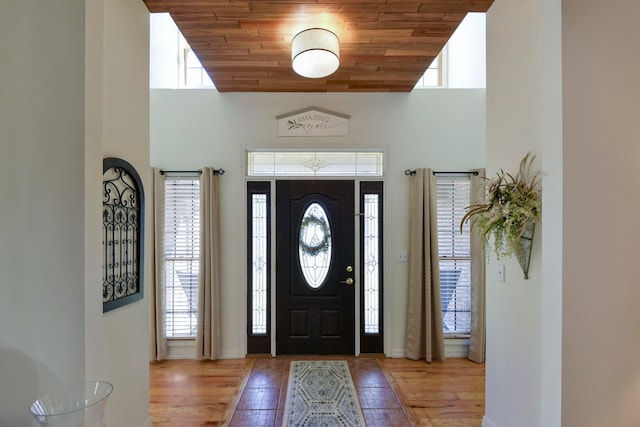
(158,339)
(478,278)
(209,330)
(425,338)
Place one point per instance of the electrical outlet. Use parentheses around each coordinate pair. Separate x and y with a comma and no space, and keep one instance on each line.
(403,256)
(501,273)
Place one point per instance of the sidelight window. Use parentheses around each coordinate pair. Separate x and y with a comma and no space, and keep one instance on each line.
(371,267)
(258,267)
(259,277)
(371,272)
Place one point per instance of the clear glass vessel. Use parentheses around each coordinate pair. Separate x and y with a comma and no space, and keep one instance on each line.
(78,405)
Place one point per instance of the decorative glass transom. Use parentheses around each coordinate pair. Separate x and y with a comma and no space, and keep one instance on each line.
(314,245)
(315,163)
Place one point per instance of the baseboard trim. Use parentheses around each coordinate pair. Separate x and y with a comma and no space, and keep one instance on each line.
(233,355)
(453,347)
(186,350)
(181,349)
(456,347)
(396,354)
(487,423)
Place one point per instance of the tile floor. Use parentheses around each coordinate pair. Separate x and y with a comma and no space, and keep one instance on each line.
(263,398)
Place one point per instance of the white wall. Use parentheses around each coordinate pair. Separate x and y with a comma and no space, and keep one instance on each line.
(93,324)
(552,200)
(125,134)
(41,202)
(571,358)
(440,129)
(467,53)
(64,94)
(523,115)
(600,365)
(164,67)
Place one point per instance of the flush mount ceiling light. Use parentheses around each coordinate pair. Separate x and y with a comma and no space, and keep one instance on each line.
(315,53)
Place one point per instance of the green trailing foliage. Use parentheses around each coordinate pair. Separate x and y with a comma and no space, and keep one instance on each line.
(512,205)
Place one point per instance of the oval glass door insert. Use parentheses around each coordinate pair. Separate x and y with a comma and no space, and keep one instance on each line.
(314,245)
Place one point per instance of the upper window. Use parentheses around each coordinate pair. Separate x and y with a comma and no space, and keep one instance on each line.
(315,163)
(172,62)
(455,253)
(181,255)
(462,62)
(194,73)
(434,76)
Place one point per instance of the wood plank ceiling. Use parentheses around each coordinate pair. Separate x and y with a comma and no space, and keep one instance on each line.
(385,45)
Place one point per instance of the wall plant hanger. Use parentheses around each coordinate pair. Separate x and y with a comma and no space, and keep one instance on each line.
(509,213)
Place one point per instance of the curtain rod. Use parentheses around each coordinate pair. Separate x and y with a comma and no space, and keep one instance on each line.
(410,172)
(199,172)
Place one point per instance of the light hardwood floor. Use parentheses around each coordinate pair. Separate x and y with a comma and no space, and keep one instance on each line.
(439,394)
(187,393)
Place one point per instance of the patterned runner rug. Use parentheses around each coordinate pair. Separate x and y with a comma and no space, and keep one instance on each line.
(321,393)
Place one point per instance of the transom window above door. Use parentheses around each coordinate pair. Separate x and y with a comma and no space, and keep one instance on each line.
(315,163)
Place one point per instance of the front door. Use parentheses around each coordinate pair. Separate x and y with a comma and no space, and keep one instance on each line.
(315,287)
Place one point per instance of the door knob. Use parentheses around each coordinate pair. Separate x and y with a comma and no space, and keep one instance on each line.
(349,281)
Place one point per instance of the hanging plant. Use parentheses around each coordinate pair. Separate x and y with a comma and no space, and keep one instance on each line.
(512,206)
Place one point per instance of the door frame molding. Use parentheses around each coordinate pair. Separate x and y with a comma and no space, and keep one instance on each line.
(272,297)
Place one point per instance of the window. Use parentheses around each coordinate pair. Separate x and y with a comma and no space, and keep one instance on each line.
(194,73)
(259,262)
(181,255)
(315,163)
(259,267)
(455,253)
(314,245)
(371,336)
(434,76)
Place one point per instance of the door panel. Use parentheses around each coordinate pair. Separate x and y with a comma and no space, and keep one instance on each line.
(314,306)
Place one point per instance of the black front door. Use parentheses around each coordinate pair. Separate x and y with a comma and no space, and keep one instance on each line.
(315,286)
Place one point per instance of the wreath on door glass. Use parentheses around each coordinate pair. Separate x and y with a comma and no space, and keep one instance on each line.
(320,241)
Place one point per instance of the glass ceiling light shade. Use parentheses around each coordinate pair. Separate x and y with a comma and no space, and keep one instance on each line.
(315,53)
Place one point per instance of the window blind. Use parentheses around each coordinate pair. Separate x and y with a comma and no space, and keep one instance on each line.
(454,253)
(181,255)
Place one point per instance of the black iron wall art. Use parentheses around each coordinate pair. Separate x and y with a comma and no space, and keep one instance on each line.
(122,234)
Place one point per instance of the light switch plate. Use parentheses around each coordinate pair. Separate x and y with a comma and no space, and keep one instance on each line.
(501,273)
